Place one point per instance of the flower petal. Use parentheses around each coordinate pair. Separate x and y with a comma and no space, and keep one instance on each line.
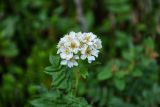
(64,62)
(83,57)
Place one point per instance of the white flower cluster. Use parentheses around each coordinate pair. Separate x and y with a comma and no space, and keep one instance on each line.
(74,46)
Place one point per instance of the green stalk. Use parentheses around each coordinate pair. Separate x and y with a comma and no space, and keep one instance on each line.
(77,81)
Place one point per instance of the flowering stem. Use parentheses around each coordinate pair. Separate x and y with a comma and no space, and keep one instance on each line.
(77,80)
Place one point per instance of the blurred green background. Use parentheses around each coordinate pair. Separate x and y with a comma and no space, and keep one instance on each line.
(129,73)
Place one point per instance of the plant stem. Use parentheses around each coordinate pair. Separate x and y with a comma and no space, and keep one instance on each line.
(77,80)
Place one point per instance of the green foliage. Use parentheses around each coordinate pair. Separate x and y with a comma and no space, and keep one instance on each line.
(127,75)
(62,83)
(105,73)
(57,100)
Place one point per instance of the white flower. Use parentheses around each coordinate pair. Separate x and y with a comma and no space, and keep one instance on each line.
(70,63)
(79,36)
(86,45)
(74,45)
(66,53)
(88,38)
(97,43)
(72,42)
(89,53)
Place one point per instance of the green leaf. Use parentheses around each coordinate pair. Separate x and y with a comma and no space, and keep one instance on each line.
(10,50)
(84,73)
(56,99)
(130,54)
(51,69)
(137,73)
(59,78)
(149,43)
(118,102)
(48,99)
(119,83)
(105,73)
(120,74)
(122,39)
(73,101)
(41,103)
(141,27)
(54,60)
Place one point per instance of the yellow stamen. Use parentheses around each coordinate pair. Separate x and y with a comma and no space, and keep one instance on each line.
(73,45)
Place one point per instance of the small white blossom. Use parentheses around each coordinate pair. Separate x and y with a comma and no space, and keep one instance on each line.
(66,53)
(97,43)
(86,45)
(88,38)
(70,63)
(89,53)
